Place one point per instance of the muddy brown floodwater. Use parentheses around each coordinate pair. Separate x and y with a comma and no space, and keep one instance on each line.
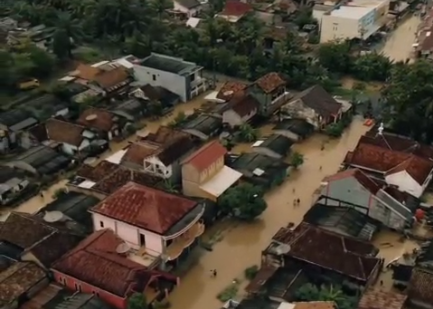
(241,245)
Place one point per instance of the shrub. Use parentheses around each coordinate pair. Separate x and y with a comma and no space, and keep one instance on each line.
(251,272)
(229,292)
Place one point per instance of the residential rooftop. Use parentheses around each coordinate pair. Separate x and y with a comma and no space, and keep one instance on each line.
(206,155)
(96,262)
(420,285)
(169,64)
(46,241)
(344,255)
(270,82)
(356,9)
(146,207)
(97,118)
(17,280)
(377,299)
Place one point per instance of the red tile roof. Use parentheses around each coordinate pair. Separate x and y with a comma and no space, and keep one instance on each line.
(96,262)
(104,119)
(344,255)
(145,207)
(269,82)
(362,178)
(206,155)
(389,161)
(236,8)
(396,142)
(377,299)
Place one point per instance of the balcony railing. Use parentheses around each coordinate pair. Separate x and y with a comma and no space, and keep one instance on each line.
(174,250)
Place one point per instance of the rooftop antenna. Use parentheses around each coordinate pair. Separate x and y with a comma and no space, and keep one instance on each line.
(122,248)
(53,216)
(380,129)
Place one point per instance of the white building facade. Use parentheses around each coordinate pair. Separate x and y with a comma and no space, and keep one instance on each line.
(357,19)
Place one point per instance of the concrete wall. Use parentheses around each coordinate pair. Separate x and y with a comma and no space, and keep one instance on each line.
(338,28)
(78,285)
(406,183)
(173,82)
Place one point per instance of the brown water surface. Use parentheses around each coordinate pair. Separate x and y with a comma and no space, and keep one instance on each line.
(241,246)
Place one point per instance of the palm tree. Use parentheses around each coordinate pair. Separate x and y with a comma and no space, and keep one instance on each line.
(247,133)
(160,7)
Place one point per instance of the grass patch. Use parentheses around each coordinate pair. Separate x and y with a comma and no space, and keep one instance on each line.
(229,292)
(251,272)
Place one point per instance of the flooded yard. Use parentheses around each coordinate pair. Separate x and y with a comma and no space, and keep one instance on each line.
(241,246)
(398,45)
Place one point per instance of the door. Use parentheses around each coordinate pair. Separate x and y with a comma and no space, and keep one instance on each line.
(142,240)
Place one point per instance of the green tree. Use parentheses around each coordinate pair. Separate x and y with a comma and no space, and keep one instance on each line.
(137,301)
(335,56)
(61,44)
(296,159)
(372,66)
(310,292)
(244,202)
(247,133)
(408,100)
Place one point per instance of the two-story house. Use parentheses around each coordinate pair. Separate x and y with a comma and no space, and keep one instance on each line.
(270,91)
(99,265)
(204,173)
(353,188)
(159,227)
(180,77)
(160,154)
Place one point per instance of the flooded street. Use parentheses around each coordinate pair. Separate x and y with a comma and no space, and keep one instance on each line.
(398,46)
(241,245)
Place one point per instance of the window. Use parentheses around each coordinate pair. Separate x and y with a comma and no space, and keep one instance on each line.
(154,77)
(101,224)
(77,287)
(142,240)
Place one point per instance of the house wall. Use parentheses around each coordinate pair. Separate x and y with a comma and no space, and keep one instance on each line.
(173,82)
(406,183)
(72,150)
(297,109)
(78,285)
(267,104)
(192,179)
(190,12)
(338,28)
(153,166)
(233,118)
(130,233)
(350,191)
(4,144)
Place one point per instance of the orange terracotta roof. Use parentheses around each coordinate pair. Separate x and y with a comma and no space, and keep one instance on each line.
(315,305)
(245,105)
(270,82)
(108,79)
(104,120)
(145,207)
(137,152)
(229,89)
(377,299)
(87,72)
(64,132)
(206,155)
(418,168)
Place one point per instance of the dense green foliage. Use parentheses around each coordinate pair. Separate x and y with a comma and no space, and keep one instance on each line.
(244,202)
(137,301)
(310,292)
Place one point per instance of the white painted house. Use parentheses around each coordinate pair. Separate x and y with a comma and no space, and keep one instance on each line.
(189,7)
(151,221)
(180,77)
